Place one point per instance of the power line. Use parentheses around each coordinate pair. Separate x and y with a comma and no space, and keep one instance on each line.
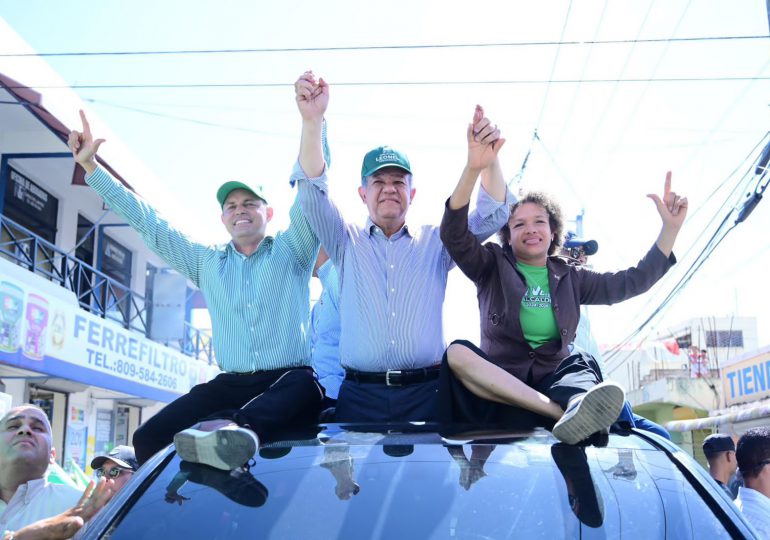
(571,185)
(583,70)
(160,86)
(732,195)
(390,47)
(591,141)
(186,119)
(711,245)
(178,118)
(742,211)
(553,68)
(619,140)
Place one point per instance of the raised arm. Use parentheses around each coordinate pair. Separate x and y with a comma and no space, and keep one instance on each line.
(484,143)
(612,287)
(462,243)
(462,246)
(493,182)
(672,209)
(169,243)
(312,100)
(493,200)
(312,96)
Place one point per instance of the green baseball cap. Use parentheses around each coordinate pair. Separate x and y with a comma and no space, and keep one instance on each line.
(381,157)
(226,188)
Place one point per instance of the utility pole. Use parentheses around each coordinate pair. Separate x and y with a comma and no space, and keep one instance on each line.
(768,14)
(579,218)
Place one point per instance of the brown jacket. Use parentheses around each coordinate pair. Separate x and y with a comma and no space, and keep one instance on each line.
(501,288)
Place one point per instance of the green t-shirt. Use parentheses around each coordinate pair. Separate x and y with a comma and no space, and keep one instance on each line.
(537,319)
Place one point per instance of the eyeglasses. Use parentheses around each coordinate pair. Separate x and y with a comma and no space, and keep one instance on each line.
(112,473)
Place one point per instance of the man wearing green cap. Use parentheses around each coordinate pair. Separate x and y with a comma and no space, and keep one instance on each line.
(392,274)
(257,291)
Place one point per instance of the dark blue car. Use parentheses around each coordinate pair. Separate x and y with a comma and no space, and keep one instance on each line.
(413,481)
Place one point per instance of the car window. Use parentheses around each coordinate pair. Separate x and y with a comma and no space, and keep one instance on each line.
(473,491)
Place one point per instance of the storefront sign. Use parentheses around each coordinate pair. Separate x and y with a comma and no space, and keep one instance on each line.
(116,256)
(104,428)
(32,196)
(75,448)
(747,379)
(44,333)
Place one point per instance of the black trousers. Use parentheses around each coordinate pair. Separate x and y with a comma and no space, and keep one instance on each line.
(576,374)
(265,401)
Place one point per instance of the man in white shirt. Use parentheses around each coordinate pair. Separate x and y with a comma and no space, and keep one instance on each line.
(25,450)
(31,508)
(753,455)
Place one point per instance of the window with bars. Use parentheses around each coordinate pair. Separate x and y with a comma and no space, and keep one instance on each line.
(724,338)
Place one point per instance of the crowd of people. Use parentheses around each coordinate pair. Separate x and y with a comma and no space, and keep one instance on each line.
(376,352)
(741,471)
(31,507)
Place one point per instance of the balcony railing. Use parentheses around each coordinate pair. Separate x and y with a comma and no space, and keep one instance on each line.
(95,291)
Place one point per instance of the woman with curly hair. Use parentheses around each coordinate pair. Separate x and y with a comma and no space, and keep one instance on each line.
(529,302)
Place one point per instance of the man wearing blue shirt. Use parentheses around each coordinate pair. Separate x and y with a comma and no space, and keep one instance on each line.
(325,330)
(257,291)
(392,275)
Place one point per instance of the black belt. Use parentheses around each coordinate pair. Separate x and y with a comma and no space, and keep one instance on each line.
(256,371)
(393,377)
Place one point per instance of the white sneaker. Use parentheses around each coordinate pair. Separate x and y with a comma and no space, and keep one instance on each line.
(593,411)
(226,448)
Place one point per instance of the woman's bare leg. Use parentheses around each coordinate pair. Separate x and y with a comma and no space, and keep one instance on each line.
(493,383)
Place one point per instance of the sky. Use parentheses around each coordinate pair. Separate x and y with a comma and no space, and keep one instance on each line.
(631,96)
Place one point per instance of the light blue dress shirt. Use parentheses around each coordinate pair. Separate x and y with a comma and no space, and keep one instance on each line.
(325,338)
(756,509)
(391,289)
(259,305)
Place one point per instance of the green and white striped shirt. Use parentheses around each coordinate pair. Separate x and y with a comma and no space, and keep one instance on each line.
(259,305)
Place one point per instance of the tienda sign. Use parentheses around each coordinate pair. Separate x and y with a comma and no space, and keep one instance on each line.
(747,380)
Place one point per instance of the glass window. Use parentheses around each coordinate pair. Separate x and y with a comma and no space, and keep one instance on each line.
(521,490)
(724,338)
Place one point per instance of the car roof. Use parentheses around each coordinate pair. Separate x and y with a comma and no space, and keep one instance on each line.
(417,470)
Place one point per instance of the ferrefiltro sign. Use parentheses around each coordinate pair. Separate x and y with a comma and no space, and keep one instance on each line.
(46,333)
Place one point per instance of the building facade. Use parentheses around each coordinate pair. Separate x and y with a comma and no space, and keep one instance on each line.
(80,296)
(677,380)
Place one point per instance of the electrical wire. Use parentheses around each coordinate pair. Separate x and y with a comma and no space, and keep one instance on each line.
(583,70)
(715,240)
(389,47)
(570,184)
(518,177)
(609,102)
(553,68)
(617,142)
(746,207)
(185,119)
(516,180)
(177,86)
(669,277)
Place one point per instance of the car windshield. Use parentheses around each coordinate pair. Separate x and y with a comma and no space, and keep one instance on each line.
(369,485)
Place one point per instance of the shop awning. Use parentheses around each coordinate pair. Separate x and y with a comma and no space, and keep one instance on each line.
(742,413)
